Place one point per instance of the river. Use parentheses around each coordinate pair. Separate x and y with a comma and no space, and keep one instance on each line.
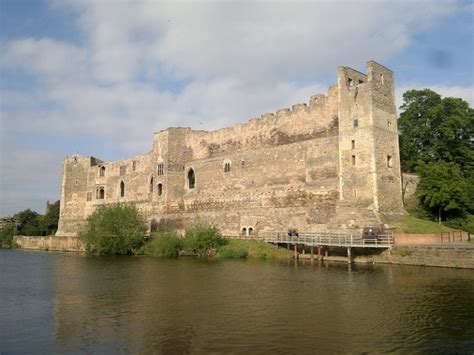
(67,302)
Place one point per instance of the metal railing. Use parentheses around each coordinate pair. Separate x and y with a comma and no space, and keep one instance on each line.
(332,239)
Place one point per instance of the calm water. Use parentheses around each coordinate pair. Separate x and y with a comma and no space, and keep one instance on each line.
(57,302)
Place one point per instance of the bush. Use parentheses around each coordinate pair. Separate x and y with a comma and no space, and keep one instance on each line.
(163,243)
(202,240)
(232,251)
(6,237)
(115,229)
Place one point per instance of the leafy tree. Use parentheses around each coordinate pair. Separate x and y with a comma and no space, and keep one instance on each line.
(30,223)
(442,188)
(116,229)
(51,218)
(6,236)
(434,128)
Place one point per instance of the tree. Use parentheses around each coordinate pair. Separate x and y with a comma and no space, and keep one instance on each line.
(30,223)
(116,229)
(51,218)
(433,129)
(442,188)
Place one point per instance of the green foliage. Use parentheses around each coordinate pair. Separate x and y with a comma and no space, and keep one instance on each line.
(411,224)
(49,221)
(163,243)
(30,223)
(202,240)
(465,223)
(254,249)
(232,251)
(442,189)
(433,129)
(6,236)
(115,229)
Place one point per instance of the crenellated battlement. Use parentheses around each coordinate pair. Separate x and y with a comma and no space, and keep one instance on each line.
(306,167)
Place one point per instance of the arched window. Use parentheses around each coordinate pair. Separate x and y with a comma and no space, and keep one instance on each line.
(160,189)
(122,189)
(191,179)
(151,185)
(250,230)
(102,171)
(244,231)
(227,167)
(101,193)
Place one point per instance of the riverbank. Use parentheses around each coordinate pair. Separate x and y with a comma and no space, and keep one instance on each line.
(459,256)
(438,255)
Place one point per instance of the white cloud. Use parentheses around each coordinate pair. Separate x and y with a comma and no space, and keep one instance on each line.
(141,66)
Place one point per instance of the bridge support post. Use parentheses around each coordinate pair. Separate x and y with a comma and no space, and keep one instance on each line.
(349,255)
(288,246)
(319,252)
(326,252)
(312,252)
(296,250)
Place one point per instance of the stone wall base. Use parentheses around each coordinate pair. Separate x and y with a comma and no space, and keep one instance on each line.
(49,243)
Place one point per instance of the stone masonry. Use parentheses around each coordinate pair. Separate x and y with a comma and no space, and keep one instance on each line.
(329,165)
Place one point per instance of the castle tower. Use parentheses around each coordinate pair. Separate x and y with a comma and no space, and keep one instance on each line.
(369,160)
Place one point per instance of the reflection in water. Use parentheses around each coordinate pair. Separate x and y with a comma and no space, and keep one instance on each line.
(181,306)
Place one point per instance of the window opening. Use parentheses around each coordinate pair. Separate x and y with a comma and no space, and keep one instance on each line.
(353,160)
(160,189)
(101,193)
(122,189)
(389,161)
(353,144)
(151,185)
(250,230)
(191,179)
(160,169)
(134,165)
(382,82)
(355,123)
(244,231)
(102,171)
(226,167)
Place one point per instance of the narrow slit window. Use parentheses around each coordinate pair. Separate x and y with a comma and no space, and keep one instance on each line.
(191,179)
(122,189)
(353,144)
(353,160)
(102,171)
(151,185)
(227,168)
(389,161)
(355,123)
(382,82)
(389,125)
(134,165)
(160,189)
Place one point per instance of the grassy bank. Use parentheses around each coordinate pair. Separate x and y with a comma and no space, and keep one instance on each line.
(206,241)
(251,249)
(410,224)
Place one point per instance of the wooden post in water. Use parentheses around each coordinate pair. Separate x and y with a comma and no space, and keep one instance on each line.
(319,252)
(326,252)
(349,255)
(296,251)
(312,252)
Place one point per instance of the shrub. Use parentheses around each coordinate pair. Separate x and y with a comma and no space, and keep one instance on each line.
(202,239)
(163,243)
(6,237)
(115,229)
(232,251)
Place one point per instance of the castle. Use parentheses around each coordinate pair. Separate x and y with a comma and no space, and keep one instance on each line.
(328,165)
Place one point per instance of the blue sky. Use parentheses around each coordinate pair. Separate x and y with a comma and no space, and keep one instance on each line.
(98,77)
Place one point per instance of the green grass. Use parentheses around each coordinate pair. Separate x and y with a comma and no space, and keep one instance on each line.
(410,224)
(251,249)
(164,244)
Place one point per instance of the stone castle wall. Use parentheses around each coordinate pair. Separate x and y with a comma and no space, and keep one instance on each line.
(309,167)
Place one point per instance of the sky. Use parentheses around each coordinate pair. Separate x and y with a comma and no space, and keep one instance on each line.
(98,77)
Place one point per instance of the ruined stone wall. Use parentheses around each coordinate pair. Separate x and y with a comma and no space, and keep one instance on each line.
(316,166)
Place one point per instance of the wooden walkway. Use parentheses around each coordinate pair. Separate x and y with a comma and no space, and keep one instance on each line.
(331,240)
